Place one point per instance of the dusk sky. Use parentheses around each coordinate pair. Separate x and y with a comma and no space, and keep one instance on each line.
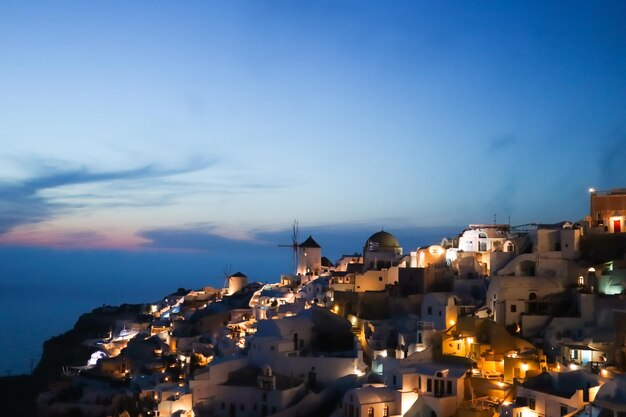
(180,126)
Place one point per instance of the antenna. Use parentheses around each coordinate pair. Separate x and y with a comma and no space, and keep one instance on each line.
(294,245)
(494,219)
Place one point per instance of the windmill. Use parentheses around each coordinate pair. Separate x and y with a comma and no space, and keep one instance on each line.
(227,271)
(293,245)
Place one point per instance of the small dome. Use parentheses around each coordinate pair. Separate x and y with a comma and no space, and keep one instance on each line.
(382,240)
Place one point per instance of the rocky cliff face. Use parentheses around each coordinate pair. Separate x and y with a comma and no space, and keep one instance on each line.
(67,349)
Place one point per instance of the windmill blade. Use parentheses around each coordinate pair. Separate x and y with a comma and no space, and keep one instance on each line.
(227,271)
(294,245)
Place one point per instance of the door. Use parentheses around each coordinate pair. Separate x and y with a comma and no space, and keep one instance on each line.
(617,226)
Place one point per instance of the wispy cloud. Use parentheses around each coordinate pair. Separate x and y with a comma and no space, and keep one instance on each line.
(501,143)
(612,154)
(24,203)
(334,239)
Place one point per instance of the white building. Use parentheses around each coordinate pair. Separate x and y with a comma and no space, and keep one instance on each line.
(553,394)
(309,258)
(508,297)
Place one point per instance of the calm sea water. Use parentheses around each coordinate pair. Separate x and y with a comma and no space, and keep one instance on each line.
(42,294)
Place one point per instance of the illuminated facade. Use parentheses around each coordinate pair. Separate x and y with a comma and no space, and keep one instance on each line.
(608,210)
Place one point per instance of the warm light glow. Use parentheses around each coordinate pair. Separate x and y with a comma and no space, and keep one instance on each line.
(573,366)
(592,190)
(524,367)
(470,340)
(435,250)
(358,372)
(353,320)
(336,309)
(604,373)
(452,322)
(506,403)
(500,384)
(592,269)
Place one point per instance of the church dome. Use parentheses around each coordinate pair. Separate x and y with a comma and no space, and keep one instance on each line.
(382,240)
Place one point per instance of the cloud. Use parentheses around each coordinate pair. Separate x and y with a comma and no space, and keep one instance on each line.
(335,240)
(501,143)
(612,154)
(23,202)
(198,240)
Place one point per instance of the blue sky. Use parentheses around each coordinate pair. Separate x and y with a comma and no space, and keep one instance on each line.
(170,126)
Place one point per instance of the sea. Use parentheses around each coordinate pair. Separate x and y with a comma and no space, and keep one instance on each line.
(44,292)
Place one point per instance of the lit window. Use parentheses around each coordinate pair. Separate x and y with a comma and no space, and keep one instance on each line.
(370,411)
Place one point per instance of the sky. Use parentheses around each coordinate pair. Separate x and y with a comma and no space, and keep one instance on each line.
(202,129)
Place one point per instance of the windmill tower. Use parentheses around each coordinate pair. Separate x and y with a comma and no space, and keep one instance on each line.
(294,246)
(233,282)
(309,258)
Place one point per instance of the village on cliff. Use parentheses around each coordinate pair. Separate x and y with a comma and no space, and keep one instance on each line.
(515,321)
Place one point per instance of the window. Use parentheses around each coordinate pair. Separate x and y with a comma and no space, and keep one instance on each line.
(385,411)
(380,278)
(429,310)
(429,385)
(449,387)
(439,313)
(394,380)
(513,308)
(563,410)
(264,396)
(419,383)
(370,411)
(531,403)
